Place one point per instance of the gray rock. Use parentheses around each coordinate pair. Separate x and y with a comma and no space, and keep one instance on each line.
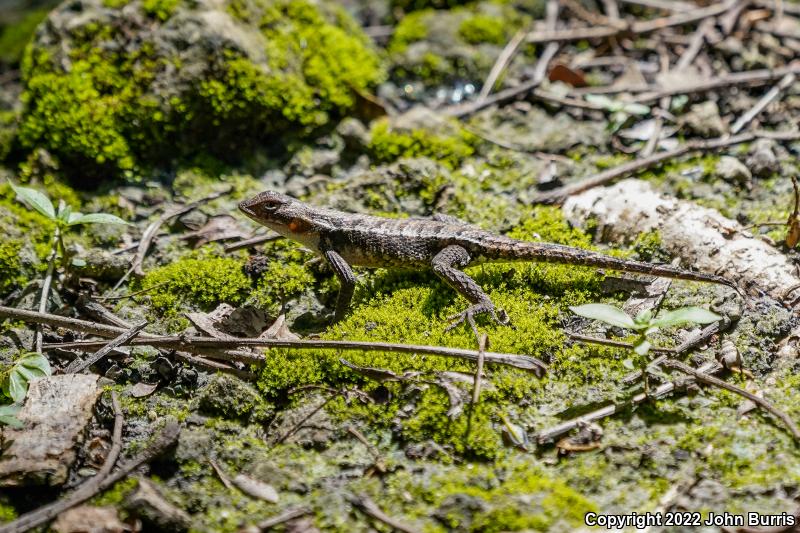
(762,160)
(732,170)
(704,119)
(230,397)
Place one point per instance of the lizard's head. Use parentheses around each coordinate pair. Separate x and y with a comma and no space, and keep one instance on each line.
(279,212)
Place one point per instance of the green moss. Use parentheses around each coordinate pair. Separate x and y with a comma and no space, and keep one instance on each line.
(649,247)
(7,512)
(484,29)
(280,282)
(9,123)
(108,115)
(387,145)
(192,282)
(508,496)
(229,397)
(114,496)
(160,9)
(10,266)
(409,30)
(14,37)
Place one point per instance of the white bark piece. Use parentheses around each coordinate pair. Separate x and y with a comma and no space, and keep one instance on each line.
(55,414)
(704,239)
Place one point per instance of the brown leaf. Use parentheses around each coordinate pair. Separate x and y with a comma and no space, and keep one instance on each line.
(142,390)
(279,330)
(563,73)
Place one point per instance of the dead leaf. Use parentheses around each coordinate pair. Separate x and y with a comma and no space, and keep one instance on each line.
(142,390)
(563,73)
(256,489)
(206,322)
(279,330)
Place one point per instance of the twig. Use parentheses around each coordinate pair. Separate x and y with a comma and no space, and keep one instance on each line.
(747,77)
(295,428)
(763,102)
(132,294)
(663,5)
(698,39)
(552,433)
(179,342)
(370,508)
(279,519)
(373,451)
(246,243)
(476,391)
(637,165)
(85,491)
(500,64)
(215,366)
(152,228)
(48,280)
(637,28)
(689,344)
(711,380)
(78,365)
(507,95)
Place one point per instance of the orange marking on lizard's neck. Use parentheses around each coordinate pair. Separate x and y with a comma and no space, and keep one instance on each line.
(298,225)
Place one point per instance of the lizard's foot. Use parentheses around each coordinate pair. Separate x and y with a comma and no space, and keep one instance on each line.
(469,313)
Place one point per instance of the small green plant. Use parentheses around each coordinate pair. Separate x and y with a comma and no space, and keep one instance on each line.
(621,112)
(63,217)
(645,323)
(14,383)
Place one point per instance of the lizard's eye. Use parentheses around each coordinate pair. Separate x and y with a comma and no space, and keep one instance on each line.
(271,205)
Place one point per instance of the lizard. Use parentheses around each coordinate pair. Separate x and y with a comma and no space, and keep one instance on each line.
(440,243)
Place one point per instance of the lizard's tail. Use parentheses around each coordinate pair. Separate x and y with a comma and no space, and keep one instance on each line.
(556,253)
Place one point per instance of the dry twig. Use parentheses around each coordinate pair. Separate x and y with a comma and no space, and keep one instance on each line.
(703,377)
(370,508)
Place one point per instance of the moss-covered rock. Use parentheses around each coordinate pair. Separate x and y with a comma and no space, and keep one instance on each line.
(194,283)
(462,44)
(229,397)
(111,87)
(10,265)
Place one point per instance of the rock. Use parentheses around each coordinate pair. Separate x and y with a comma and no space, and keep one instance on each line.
(56,412)
(762,160)
(354,134)
(704,119)
(103,265)
(154,510)
(230,397)
(305,425)
(89,519)
(146,82)
(407,186)
(732,170)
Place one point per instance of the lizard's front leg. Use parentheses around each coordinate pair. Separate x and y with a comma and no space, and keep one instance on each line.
(347,280)
(446,264)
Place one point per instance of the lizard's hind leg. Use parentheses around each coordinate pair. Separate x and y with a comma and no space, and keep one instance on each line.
(446,264)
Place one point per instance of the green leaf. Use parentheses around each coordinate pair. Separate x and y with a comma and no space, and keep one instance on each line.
(605,313)
(686,315)
(78,262)
(73,217)
(604,101)
(636,109)
(8,415)
(36,200)
(64,214)
(29,366)
(643,317)
(642,347)
(16,387)
(96,218)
